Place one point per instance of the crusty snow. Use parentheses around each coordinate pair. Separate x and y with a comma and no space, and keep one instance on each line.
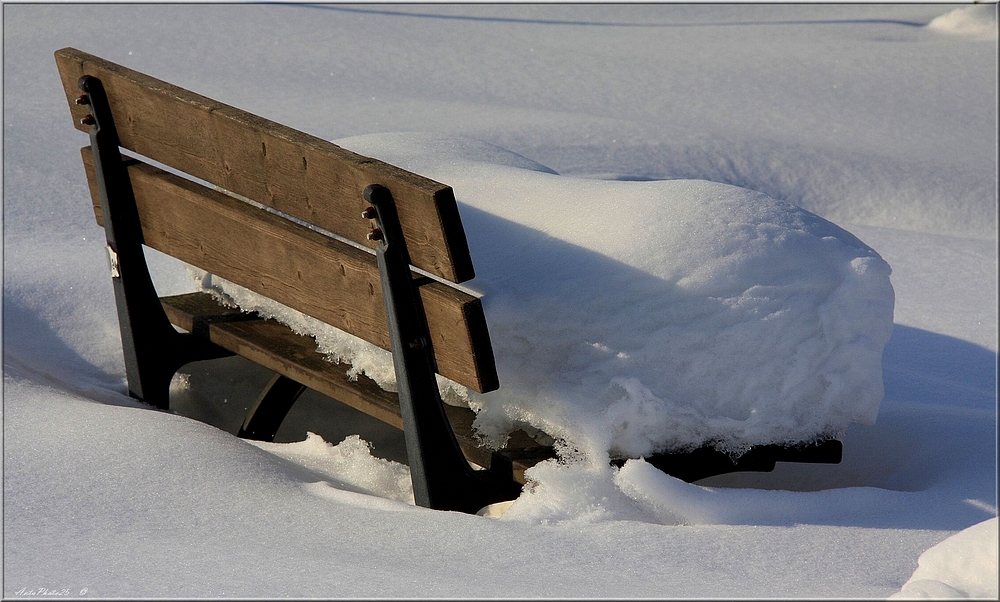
(678,215)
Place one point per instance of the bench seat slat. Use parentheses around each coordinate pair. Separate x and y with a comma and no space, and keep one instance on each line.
(301,175)
(300,268)
(276,347)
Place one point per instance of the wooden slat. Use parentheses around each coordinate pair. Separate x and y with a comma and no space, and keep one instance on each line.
(317,275)
(277,348)
(301,175)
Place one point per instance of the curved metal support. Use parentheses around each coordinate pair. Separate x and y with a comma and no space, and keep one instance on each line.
(153,349)
(442,478)
(270,409)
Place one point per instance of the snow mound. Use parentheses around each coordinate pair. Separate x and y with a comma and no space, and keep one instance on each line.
(629,318)
(962,566)
(634,317)
(974,21)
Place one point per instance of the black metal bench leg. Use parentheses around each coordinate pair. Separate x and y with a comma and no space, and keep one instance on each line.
(153,350)
(442,478)
(270,409)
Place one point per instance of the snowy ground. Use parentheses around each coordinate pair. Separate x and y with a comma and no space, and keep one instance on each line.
(864,115)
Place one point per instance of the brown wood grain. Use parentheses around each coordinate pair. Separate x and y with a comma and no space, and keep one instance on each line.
(298,174)
(277,348)
(320,276)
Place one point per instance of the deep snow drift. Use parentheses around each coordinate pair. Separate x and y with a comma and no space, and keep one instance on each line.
(639,317)
(866,116)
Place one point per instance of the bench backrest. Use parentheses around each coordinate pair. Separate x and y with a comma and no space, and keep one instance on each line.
(302,176)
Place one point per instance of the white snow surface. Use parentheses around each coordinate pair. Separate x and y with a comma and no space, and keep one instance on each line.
(962,566)
(866,116)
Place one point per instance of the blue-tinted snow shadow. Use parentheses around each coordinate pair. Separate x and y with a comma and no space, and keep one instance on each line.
(929,461)
(936,430)
(926,367)
(34,351)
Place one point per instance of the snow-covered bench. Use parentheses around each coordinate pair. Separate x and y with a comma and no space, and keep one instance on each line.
(326,232)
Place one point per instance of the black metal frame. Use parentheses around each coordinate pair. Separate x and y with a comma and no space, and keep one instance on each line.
(153,349)
(442,477)
(708,462)
(269,411)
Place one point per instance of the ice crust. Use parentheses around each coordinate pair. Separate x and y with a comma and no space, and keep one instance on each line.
(636,317)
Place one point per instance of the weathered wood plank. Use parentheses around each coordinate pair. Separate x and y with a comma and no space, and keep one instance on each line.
(277,348)
(317,275)
(301,175)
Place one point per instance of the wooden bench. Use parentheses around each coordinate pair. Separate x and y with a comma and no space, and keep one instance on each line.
(321,230)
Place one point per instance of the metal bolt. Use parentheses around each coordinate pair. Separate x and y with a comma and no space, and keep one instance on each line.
(83,100)
(375,234)
(88,120)
(369,213)
(417,344)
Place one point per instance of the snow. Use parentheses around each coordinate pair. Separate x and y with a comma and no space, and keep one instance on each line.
(350,464)
(878,119)
(962,566)
(644,316)
(650,316)
(972,21)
